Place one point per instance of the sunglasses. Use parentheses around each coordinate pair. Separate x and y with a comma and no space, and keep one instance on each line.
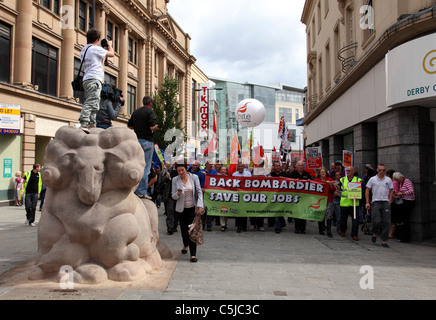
(381,170)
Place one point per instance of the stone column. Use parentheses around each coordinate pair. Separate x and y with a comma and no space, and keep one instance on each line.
(325,147)
(124,62)
(407,144)
(23,44)
(67,58)
(101,11)
(365,146)
(336,146)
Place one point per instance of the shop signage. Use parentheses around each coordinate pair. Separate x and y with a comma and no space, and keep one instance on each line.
(204,110)
(411,71)
(10,116)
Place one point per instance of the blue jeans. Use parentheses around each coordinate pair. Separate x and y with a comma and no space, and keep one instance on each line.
(148,148)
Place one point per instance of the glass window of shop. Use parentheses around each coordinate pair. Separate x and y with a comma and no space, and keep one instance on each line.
(268,97)
(5,52)
(44,67)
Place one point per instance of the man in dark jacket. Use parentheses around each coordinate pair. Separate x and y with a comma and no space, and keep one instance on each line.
(32,189)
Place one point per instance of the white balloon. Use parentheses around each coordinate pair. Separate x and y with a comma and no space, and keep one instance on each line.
(250,113)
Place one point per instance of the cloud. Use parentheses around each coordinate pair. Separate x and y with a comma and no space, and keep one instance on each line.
(246,40)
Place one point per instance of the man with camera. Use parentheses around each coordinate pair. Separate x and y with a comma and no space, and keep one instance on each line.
(93,56)
(111,102)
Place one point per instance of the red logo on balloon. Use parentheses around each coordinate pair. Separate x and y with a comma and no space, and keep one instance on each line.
(243,109)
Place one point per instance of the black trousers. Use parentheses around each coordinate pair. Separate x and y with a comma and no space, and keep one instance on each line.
(403,229)
(186,218)
(300,225)
(30,203)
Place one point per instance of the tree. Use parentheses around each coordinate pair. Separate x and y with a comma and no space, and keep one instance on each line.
(167,110)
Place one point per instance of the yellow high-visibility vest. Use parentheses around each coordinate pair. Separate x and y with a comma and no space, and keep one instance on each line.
(345,202)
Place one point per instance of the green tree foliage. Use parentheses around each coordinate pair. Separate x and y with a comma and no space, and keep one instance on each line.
(167,110)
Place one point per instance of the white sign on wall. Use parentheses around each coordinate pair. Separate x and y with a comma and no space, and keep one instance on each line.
(411,71)
(10,119)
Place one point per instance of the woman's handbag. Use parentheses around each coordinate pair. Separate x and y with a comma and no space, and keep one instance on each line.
(398,201)
(77,83)
(196,231)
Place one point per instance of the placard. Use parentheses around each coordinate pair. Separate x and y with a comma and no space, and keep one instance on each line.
(314,158)
(347,158)
(354,190)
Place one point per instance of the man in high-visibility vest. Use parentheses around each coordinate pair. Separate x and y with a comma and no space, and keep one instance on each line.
(32,189)
(347,205)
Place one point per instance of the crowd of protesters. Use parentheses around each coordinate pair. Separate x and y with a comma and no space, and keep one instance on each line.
(387,198)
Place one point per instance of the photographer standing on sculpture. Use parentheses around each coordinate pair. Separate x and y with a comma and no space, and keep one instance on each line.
(110,106)
(93,56)
(143,122)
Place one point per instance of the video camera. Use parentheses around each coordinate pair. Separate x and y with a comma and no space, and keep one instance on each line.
(112,93)
(105,45)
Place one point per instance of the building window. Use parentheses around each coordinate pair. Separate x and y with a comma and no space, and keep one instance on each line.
(51,5)
(44,67)
(112,33)
(367,20)
(56,6)
(131,99)
(287,113)
(337,47)
(82,15)
(133,51)
(46,3)
(5,52)
(110,79)
(328,67)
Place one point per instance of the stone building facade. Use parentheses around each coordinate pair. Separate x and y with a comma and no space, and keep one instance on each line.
(372,90)
(40,43)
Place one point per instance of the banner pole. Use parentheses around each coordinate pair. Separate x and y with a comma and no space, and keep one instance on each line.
(354,208)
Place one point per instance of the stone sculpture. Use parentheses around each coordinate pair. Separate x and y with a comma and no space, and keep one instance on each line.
(91,220)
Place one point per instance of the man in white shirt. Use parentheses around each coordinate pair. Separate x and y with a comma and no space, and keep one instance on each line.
(93,76)
(382,189)
(241,172)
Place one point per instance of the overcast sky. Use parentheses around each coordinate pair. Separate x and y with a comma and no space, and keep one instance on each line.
(246,40)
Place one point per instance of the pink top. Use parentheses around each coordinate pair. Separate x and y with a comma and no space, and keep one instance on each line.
(407,188)
(18,181)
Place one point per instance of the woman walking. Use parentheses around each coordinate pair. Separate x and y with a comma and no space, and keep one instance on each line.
(407,193)
(323,176)
(186,190)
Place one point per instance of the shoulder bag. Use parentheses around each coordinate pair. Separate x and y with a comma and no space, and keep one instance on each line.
(77,84)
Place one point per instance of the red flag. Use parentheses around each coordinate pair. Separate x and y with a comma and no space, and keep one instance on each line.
(258,154)
(234,155)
